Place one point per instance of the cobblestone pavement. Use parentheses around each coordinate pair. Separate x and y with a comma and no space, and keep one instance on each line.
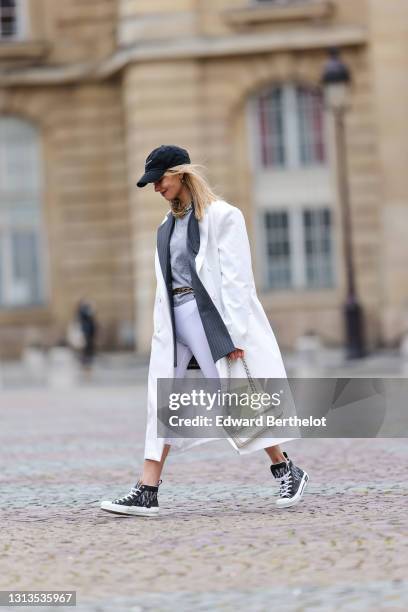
(219,543)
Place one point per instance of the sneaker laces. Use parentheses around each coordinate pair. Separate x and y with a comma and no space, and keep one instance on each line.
(286,484)
(133,491)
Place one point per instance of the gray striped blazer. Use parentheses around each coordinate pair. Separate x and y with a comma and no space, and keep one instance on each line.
(217,334)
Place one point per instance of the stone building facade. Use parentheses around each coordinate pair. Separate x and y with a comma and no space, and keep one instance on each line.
(89,87)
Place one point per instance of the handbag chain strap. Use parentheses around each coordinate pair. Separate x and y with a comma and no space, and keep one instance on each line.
(250,379)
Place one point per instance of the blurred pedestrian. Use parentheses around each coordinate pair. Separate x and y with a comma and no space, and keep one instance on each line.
(86,318)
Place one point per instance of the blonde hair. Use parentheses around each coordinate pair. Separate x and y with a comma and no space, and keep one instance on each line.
(198,186)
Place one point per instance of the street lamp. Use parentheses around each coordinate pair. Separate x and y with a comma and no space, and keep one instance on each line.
(336,82)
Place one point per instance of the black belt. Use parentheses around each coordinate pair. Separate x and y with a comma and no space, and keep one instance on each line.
(182,290)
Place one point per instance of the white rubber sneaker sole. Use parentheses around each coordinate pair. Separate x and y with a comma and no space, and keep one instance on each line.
(287,503)
(129,510)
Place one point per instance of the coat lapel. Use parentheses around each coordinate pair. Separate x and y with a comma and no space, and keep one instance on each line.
(163,247)
(197,238)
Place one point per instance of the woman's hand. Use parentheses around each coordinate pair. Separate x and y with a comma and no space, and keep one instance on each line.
(236,354)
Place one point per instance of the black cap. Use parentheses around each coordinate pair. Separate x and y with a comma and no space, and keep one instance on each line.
(160,160)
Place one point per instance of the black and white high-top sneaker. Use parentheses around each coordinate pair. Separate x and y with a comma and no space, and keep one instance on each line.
(140,501)
(293,481)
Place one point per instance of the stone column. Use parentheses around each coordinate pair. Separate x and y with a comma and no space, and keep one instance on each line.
(388,22)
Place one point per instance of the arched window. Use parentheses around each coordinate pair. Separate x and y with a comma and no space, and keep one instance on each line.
(290,126)
(292,187)
(21,270)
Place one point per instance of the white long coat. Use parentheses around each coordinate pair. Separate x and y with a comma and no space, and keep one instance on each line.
(224,266)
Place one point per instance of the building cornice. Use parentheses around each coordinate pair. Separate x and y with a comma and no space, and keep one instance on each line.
(311,37)
(26,50)
(262,13)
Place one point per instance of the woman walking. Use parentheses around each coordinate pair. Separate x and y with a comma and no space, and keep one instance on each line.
(206,305)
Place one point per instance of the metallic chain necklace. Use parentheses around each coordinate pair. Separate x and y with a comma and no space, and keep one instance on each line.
(180,213)
(189,207)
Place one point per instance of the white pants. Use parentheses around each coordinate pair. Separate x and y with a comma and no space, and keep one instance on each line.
(191,340)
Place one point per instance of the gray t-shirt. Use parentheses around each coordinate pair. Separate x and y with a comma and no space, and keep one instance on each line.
(180,268)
